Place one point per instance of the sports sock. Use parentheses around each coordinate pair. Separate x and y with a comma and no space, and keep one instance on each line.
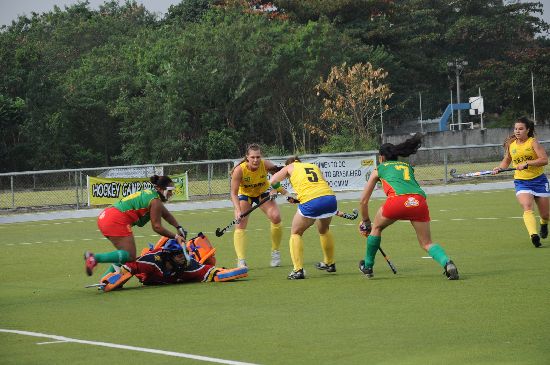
(530,222)
(373,244)
(115,257)
(239,241)
(109,270)
(543,221)
(327,245)
(438,254)
(276,235)
(297,251)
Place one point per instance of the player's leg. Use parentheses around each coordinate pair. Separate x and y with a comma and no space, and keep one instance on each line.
(296,243)
(271,210)
(126,251)
(327,245)
(239,236)
(543,206)
(527,201)
(375,237)
(435,250)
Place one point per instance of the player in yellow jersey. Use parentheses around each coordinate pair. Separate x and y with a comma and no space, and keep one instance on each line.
(317,204)
(529,158)
(249,185)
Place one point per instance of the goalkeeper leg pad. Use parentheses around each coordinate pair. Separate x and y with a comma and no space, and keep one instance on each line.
(116,280)
(231,274)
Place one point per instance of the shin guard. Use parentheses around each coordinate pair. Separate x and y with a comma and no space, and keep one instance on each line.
(231,274)
(116,280)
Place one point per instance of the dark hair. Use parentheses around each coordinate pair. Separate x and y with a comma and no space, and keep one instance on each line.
(291,160)
(160,181)
(391,152)
(529,125)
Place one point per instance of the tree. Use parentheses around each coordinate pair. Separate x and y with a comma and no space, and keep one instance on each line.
(352,97)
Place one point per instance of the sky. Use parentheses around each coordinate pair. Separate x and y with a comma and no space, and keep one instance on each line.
(10,9)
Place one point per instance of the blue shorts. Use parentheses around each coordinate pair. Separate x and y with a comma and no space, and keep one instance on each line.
(254,199)
(322,207)
(536,187)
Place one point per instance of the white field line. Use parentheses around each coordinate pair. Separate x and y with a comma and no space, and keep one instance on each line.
(260,229)
(62,339)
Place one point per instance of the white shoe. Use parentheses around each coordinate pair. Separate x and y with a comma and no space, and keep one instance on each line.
(275,258)
(241,263)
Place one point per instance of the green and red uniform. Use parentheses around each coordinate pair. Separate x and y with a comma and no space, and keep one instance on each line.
(118,219)
(406,200)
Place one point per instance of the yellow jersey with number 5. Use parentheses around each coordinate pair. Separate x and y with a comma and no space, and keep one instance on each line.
(308,182)
(522,153)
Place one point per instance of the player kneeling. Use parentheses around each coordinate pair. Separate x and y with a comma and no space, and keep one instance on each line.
(169,264)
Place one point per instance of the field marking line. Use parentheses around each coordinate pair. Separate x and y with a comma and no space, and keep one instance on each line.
(125,347)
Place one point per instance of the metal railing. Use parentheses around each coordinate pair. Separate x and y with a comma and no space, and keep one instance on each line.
(60,189)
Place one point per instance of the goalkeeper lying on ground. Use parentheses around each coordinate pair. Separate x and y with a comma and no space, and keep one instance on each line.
(170,263)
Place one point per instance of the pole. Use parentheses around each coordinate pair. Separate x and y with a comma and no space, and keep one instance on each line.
(533,91)
(457,72)
(381,119)
(452,110)
(481,114)
(421,124)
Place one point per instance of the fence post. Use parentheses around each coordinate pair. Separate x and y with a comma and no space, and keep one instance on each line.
(445,181)
(12,193)
(76,190)
(210,173)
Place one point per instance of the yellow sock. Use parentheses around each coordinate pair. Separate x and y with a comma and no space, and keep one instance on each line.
(239,241)
(276,235)
(530,222)
(543,221)
(297,251)
(327,245)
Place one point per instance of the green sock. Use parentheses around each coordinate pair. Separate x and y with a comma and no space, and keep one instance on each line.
(438,254)
(116,257)
(109,270)
(373,244)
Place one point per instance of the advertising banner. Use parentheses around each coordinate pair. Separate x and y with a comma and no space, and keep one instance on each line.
(105,191)
(341,173)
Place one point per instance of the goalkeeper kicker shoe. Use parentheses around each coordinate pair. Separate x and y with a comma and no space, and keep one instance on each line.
(242,263)
(544,230)
(296,275)
(451,271)
(366,270)
(90,262)
(535,239)
(322,266)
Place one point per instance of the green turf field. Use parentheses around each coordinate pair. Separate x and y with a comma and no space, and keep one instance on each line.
(497,313)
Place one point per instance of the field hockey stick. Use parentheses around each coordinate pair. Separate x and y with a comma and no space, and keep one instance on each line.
(220,232)
(99,286)
(351,216)
(477,173)
(388,260)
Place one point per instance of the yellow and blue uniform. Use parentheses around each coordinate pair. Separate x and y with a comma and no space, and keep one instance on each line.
(254,184)
(531,180)
(317,200)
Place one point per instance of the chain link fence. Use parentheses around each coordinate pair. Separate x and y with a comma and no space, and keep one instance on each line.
(62,189)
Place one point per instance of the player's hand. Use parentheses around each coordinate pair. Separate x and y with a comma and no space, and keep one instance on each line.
(273,194)
(292,200)
(365,227)
(182,233)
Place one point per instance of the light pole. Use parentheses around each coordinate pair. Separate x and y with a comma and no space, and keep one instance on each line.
(458,66)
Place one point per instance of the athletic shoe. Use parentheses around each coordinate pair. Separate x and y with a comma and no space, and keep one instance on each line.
(544,230)
(366,270)
(90,261)
(275,258)
(241,263)
(535,238)
(296,275)
(322,266)
(451,271)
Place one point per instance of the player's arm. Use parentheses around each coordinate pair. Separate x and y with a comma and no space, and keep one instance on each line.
(542,156)
(364,226)
(271,167)
(506,160)
(156,210)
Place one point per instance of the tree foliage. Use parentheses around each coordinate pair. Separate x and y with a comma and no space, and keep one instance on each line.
(82,87)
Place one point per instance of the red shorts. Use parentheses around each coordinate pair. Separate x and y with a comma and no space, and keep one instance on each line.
(410,207)
(113,223)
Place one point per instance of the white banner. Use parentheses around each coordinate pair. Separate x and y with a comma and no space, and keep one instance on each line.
(342,173)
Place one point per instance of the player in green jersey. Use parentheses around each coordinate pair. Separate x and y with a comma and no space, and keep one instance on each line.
(116,221)
(405,201)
